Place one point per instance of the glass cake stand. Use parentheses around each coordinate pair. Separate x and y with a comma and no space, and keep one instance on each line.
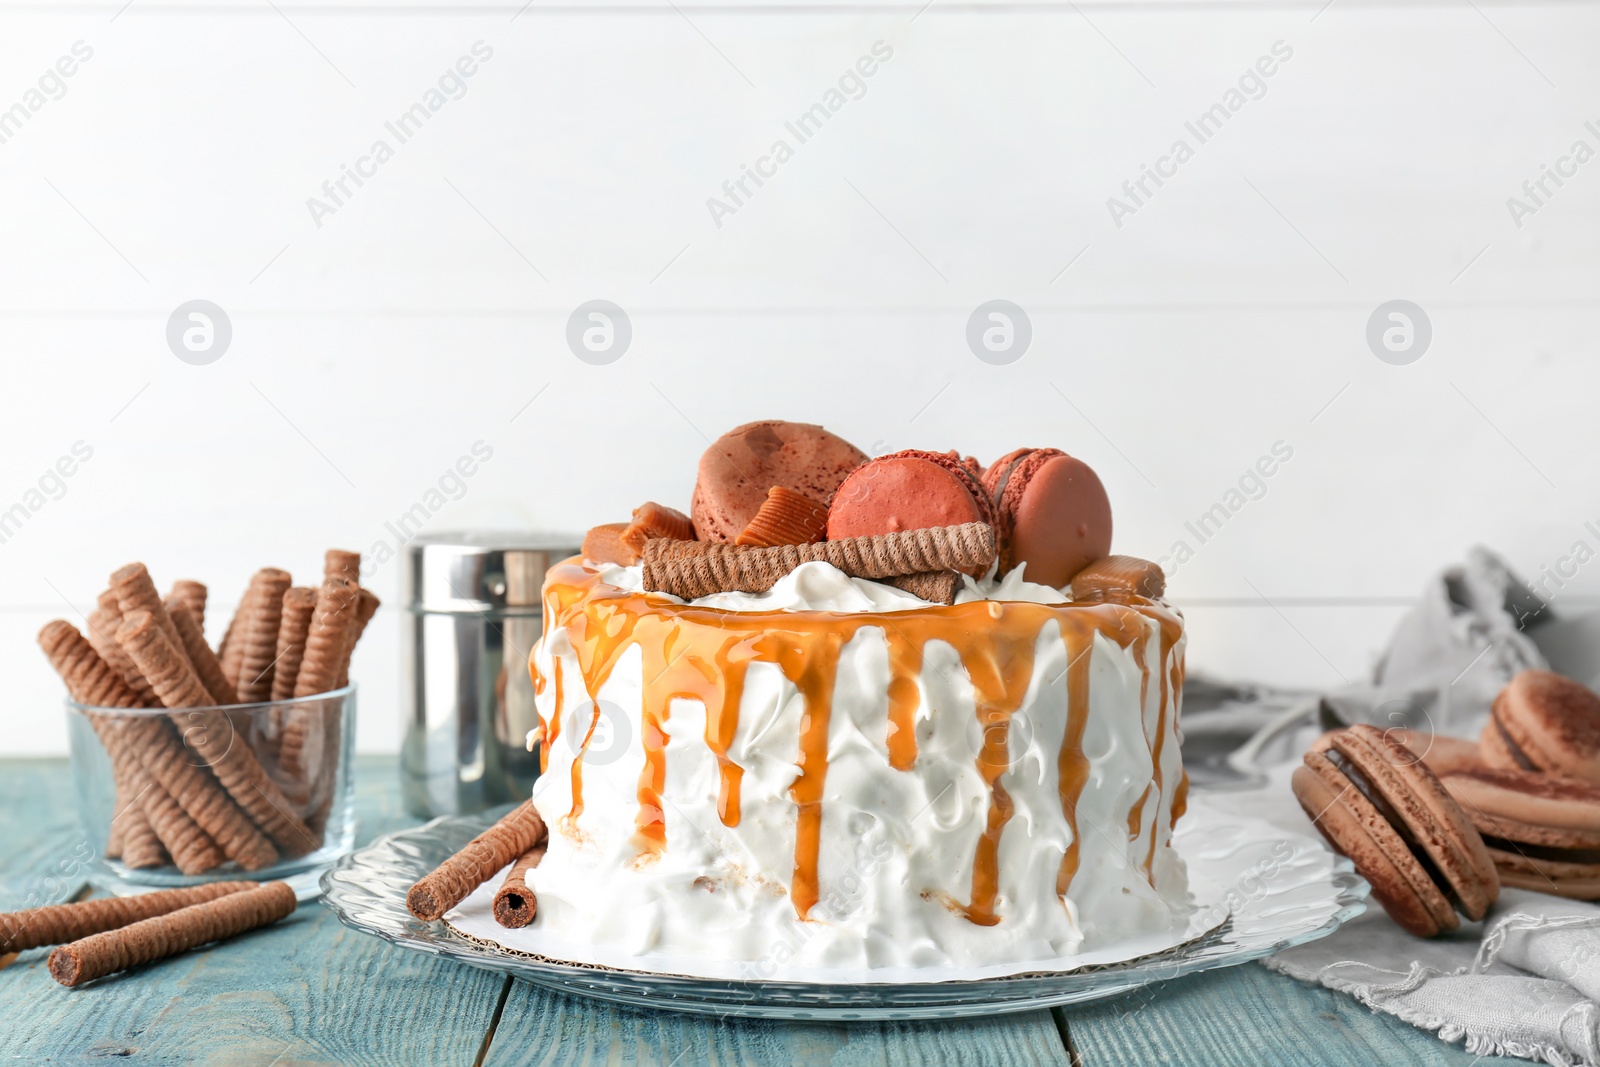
(1276,888)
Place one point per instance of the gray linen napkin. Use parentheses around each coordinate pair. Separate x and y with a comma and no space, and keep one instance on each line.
(1526,981)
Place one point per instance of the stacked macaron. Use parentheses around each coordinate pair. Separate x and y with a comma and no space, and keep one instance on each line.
(1526,796)
(772,483)
(1380,805)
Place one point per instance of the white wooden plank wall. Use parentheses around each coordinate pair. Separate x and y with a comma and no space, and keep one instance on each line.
(1226,313)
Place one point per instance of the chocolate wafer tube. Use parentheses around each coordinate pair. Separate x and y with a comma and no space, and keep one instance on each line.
(514,904)
(210,733)
(229,650)
(91,681)
(59,923)
(192,595)
(119,823)
(484,855)
(258,634)
(936,587)
(136,592)
(340,563)
(331,621)
(102,632)
(141,847)
(166,935)
(204,661)
(89,678)
(367,604)
(293,625)
(191,847)
(693,569)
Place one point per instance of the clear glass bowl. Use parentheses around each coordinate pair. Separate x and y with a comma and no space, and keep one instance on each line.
(269,782)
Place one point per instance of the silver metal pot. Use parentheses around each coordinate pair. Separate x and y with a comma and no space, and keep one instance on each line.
(473,614)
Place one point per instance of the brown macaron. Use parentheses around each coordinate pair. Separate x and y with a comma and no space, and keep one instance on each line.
(1381,806)
(1055,517)
(743,464)
(1542,721)
(909,490)
(1443,754)
(1541,830)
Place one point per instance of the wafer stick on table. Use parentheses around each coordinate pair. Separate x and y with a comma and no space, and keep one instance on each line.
(59,923)
(166,935)
(514,903)
(489,852)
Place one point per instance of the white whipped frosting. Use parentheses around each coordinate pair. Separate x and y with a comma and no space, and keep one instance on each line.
(894,844)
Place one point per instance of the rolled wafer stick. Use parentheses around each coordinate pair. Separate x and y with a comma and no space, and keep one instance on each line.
(341,563)
(210,733)
(141,846)
(367,604)
(936,587)
(88,678)
(331,621)
(166,935)
(259,634)
(229,650)
(102,626)
(183,842)
(136,592)
(59,923)
(119,823)
(131,837)
(693,569)
(91,681)
(294,623)
(192,595)
(489,852)
(181,837)
(204,661)
(514,903)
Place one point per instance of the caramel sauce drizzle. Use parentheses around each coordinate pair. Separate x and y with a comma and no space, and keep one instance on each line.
(703,654)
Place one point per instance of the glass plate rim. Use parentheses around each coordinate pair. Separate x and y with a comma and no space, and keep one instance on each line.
(755,998)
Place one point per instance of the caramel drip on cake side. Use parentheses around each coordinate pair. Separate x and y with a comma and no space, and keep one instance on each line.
(703,654)
(1171,690)
(1000,670)
(905,669)
(1136,813)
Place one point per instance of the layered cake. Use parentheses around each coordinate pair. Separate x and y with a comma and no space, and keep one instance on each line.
(900,712)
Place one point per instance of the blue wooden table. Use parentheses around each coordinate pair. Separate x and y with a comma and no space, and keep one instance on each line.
(310,991)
